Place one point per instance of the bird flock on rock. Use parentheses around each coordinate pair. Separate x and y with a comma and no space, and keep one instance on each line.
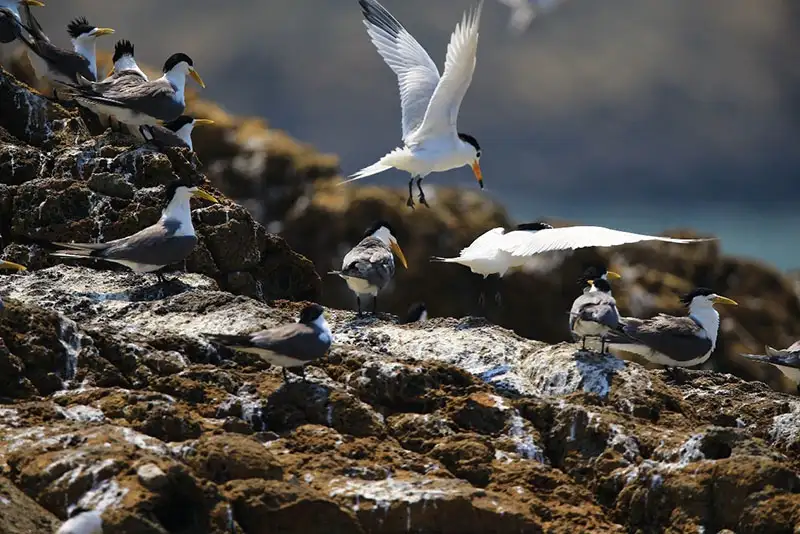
(431,143)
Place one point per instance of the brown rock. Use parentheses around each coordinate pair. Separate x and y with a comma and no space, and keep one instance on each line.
(224,457)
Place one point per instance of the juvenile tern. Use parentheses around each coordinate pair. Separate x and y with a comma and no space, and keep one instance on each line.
(138,102)
(166,242)
(64,66)
(289,345)
(674,341)
(177,133)
(595,313)
(430,103)
(418,312)
(786,360)
(369,266)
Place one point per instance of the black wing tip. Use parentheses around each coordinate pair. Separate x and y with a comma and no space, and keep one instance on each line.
(378,16)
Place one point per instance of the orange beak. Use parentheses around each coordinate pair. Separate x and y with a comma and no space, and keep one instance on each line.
(476,168)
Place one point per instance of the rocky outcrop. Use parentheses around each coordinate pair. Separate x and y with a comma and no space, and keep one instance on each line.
(58,183)
(114,401)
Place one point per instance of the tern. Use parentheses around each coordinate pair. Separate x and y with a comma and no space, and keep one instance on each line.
(138,102)
(64,66)
(369,266)
(430,103)
(786,360)
(418,312)
(595,313)
(524,11)
(289,345)
(168,241)
(124,66)
(177,133)
(10,264)
(674,341)
(9,28)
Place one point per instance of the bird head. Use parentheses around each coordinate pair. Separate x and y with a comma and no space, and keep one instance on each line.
(704,297)
(382,230)
(471,144)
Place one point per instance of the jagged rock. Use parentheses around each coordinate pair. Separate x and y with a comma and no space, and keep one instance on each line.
(454,425)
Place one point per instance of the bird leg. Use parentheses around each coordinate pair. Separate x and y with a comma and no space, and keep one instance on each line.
(374,304)
(302,373)
(285,375)
(410,201)
(421,193)
(583,343)
(358,303)
(602,344)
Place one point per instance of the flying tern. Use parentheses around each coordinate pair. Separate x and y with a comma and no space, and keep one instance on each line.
(138,102)
(595,313)
(786,360)
(674,341)
(177,133)
(430,103)
(289,345)
(369,266)
(168,241)
(64,66)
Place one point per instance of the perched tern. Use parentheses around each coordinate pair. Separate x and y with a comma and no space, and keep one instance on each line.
(124,65)
(674,341)
(369,266)
(168,241)
(786,360)
(138,102)
(595,313)
(289,345)
(430,103)
(418,312)
(64,66)
(177,133)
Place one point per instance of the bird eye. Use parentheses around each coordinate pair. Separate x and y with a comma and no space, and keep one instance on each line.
(478,154)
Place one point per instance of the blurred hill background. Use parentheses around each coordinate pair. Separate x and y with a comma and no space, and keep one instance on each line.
(637,114)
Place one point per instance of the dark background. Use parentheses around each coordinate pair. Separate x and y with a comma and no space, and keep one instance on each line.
(637,114)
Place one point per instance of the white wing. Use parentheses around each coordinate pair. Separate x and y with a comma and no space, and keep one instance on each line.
(527,243)
(485,244)
(416,72)
(442,114)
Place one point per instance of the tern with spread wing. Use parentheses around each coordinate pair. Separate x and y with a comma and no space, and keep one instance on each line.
(673,341)
(168,241)
(289,345)
(594,313)
(64,66)
(369,266)
(177,133)
(786,360)
(135,101)
(430,102)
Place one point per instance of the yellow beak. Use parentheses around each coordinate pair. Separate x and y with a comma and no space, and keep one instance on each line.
(196,77)
(203,122)
(110,72)
(207,196)
(399,253)
(476,168)
(34,3)
(99,32)
(611,275)
(11,265)
(724,300)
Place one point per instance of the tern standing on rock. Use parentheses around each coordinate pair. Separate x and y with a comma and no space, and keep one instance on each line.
(177,133)
(167,242)
(145,102)
(369,266)
(674,341)
(430,103)
(289,345)
(595,313)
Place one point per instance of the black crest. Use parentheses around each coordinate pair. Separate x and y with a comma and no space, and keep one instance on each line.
(602,285)
(414,313)
(78,27)
(122,48)
(172,187)
(178,123)
(174,59)
(310,313)
(592,272)
(699,292)
(376,225)
(467,138)
(539,225)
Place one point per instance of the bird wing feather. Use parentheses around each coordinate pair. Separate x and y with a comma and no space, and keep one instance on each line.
(680,338)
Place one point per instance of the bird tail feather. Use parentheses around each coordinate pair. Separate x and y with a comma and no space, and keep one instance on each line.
(387,162)
(228,340)
(444,260)
(82,246)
